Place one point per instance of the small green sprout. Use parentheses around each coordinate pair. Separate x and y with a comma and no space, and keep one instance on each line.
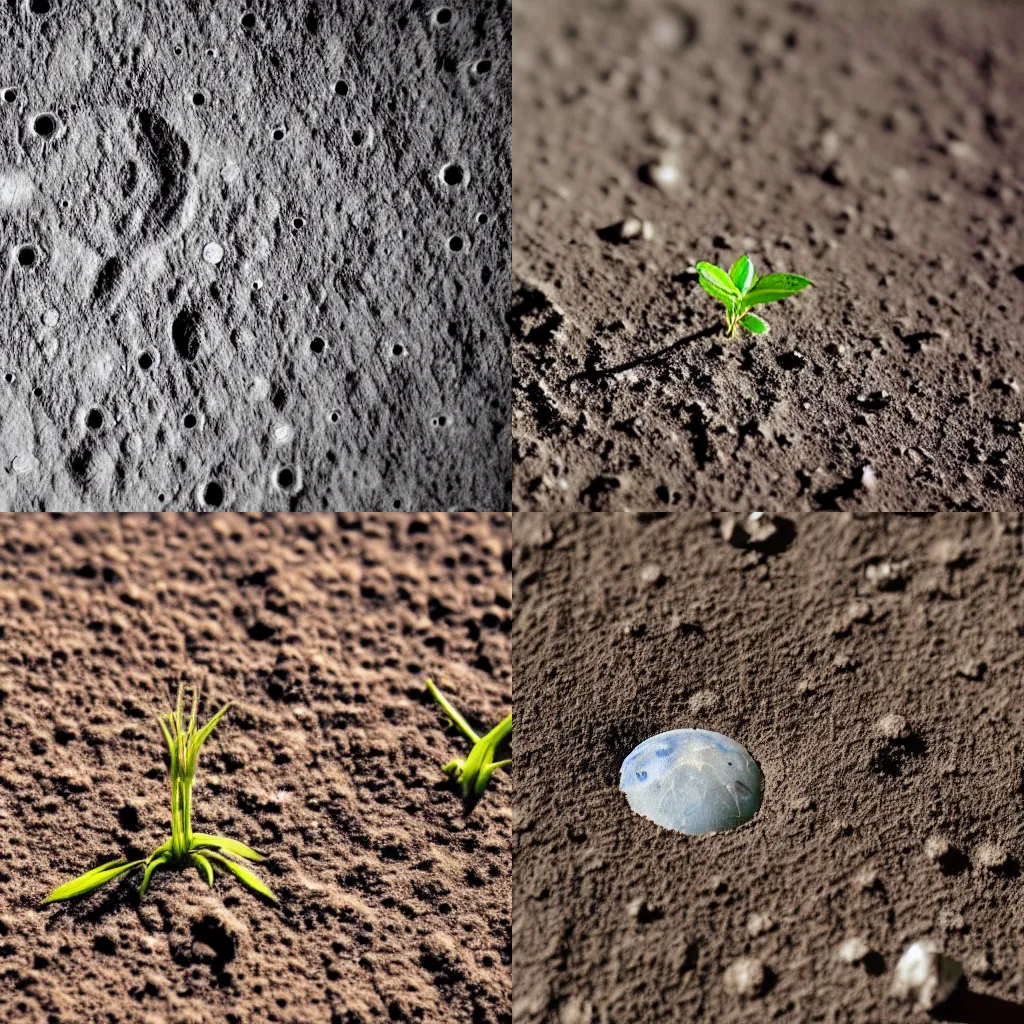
(739,291)
(204,852)
(475,771)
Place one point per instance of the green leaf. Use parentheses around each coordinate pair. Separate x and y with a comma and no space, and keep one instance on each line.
(718,277)
(742,273)
(91,880)
(244,875)
(457,720)
(725,298)
(754,324)
(774,287)
(203,866)
(233,846)
(200,737)
(150,868)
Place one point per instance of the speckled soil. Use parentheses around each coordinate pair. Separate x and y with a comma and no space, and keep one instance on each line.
(871,665)
(394,904)
(874,147)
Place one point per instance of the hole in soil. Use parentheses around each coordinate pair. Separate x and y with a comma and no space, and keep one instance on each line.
(214,494)
(178,51)
(9,377)
(44,126)
(335,417)
(248,20)
(278,134)
(189,421)
(94,420)
(341,88)
(452,174)
(285,478)
(299,222)
(397,503)
(26,256)
(128,816)
(161,498)
(38,392)
(40,6)
(145,361)
(317,345)
(398,350)
(455,243)
(358,137)
(483,67)
(10,95)
(442,16)
(198,99)
(481,218)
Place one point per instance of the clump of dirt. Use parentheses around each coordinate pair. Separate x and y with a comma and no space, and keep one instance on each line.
(887,723)
(394,903)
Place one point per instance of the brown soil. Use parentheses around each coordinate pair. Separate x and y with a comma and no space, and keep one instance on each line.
(874,147)
(797,639)
(394,904)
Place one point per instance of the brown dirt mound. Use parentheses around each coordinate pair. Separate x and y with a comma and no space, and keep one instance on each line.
(320,629)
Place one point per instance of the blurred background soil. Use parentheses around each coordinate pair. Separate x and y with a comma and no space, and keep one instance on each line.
(871,665)
(320,629)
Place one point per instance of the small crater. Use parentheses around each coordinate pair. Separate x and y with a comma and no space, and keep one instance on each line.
(212,933)
(398,350)
(341,88)
(27,256)
(316,346)
(189,421)
(198,98)
(248,20)
(94,419)
(147,360)
(285,478)
(443,16)
(214,494)
(44,125)
(104,944)
(893,756)
(279,134)
(456,244)
(452,174)
(185,333)
(40,6)
(128,816)
(10,95)
(482,67)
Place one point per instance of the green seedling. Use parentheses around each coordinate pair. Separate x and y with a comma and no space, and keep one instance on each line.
(204,852)
(740,291)
(473,774)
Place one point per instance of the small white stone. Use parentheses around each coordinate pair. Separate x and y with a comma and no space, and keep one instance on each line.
(260,388)
(230,171)
(868,478)
(991,856)
(213,253)
(282,433)
(853,950)
(759,924)
(892,726)
(925,975)
(936,847)
(631,227)
(51,318)
(746,977)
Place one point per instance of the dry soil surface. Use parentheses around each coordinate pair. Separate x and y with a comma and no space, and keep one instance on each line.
(394,904)
(871,665)
(874,147)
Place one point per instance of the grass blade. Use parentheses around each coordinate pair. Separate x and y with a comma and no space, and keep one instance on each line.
(154,863)
(201,736)
(773,287)
(457,720)
(232,846)
(244,875)
(726,298)
(91,880)
(203,867)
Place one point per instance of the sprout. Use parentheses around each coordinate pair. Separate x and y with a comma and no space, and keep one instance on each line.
(184,846)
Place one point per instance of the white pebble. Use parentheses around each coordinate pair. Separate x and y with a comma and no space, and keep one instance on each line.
(991,856)
(936,847)
(282,433)
(926,976)
(891,726)
(213,253)
(759,924)
(853,950)
(746,977)
(51,318)
(23,464)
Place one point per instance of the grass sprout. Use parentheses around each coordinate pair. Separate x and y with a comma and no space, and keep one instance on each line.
(184,847)
(473,773)
(740,290)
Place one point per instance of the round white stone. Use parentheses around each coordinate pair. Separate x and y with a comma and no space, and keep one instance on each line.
(213,253)
(692,781)
(51,317)
(282,433)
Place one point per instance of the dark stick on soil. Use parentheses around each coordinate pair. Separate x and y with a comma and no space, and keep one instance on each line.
(592,372)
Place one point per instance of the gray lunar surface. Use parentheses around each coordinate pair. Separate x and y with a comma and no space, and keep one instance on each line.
(256,255)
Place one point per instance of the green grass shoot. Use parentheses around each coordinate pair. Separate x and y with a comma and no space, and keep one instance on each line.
(473,773)
(739,291)
(206,853)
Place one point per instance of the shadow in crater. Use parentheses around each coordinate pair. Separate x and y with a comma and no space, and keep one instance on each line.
(593,373)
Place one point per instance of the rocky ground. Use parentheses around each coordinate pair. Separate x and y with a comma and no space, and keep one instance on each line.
(255,256)
(874,147)
(871,665)
(394,904)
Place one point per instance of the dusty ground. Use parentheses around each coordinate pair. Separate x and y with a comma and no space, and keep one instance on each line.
(394,905)
(873,147)
(798,648)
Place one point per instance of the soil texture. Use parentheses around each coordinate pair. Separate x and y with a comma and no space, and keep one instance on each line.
(395,905)
(873,147)
(871,665)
